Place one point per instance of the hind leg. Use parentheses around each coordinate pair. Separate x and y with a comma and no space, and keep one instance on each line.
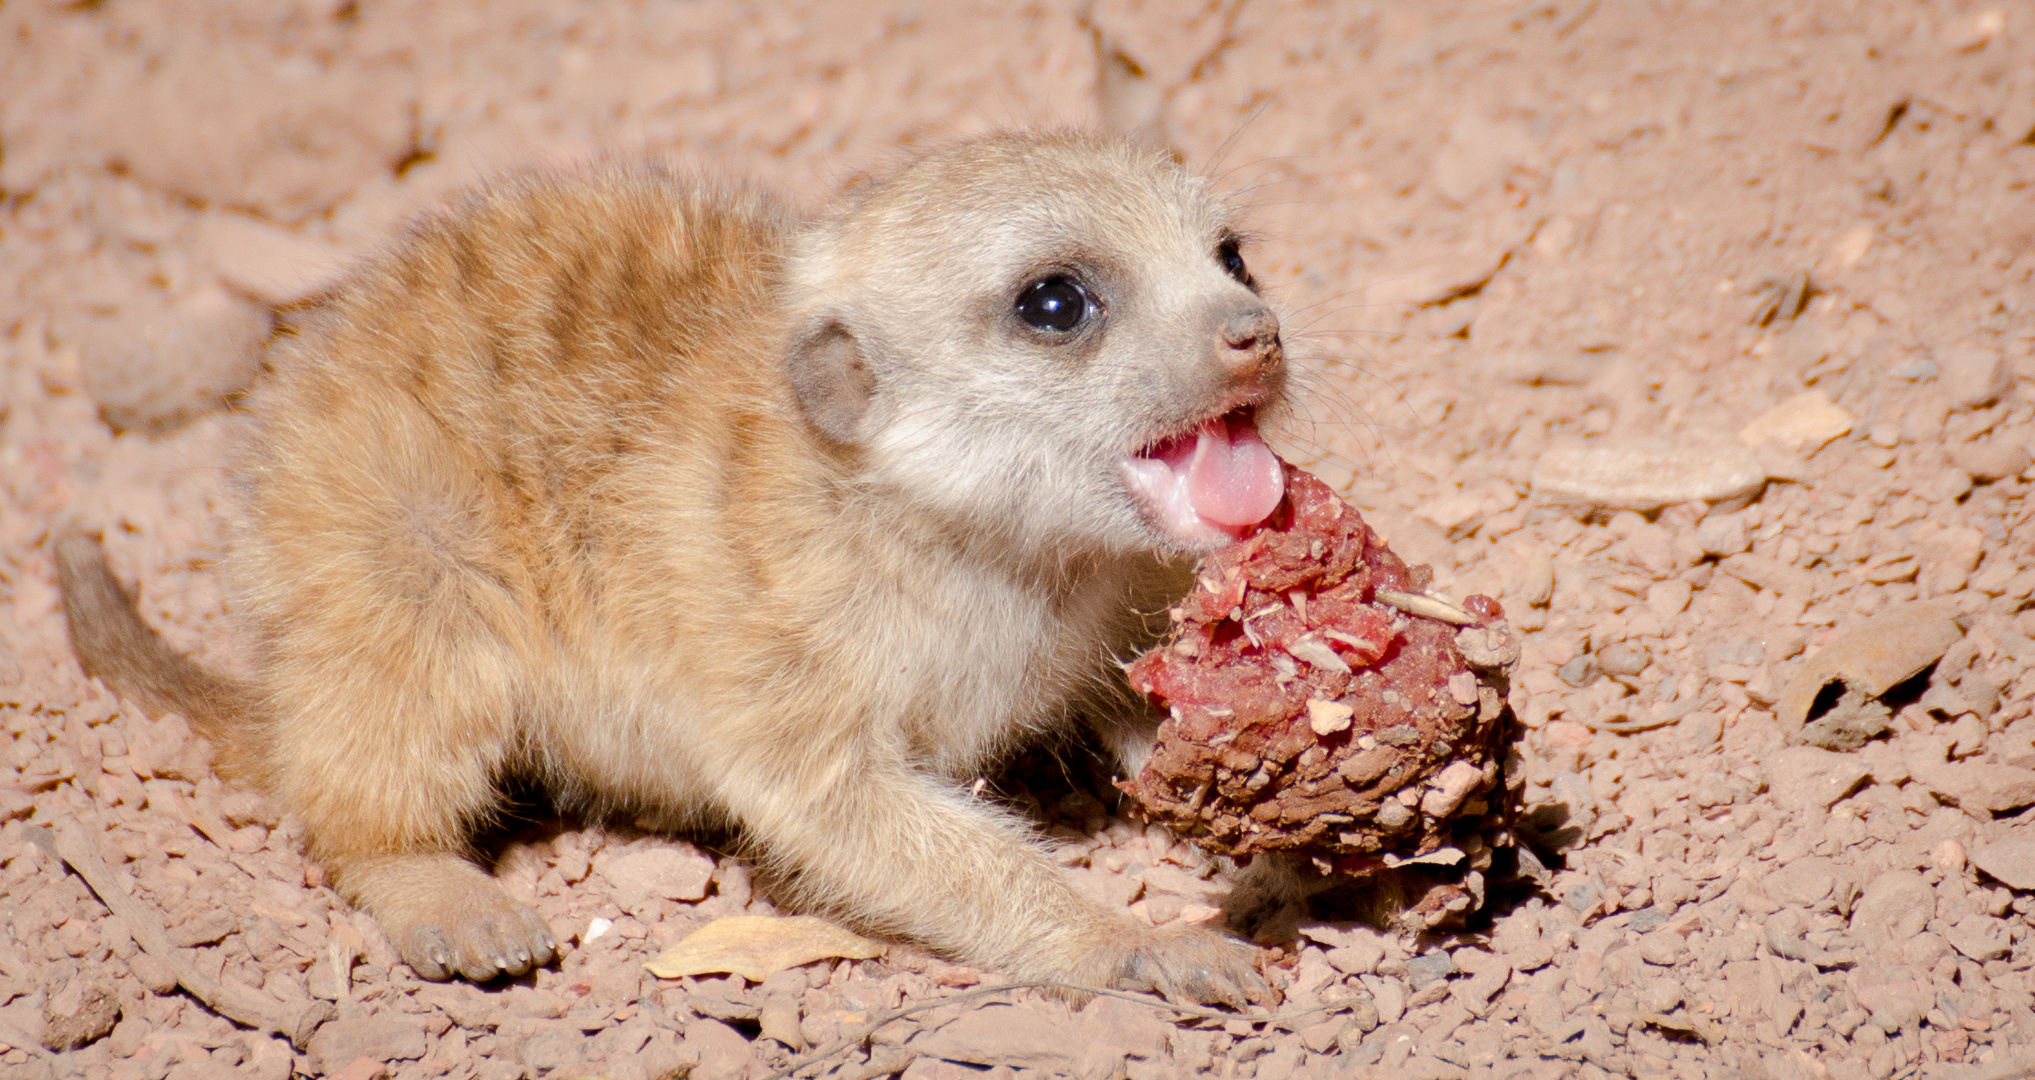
(389,801)
(390,725)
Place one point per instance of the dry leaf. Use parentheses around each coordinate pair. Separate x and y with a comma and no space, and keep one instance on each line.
(758,946)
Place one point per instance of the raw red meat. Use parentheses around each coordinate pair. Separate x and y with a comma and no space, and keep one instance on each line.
(1306,716)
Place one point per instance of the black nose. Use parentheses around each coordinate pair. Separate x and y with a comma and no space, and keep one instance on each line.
(1250,340)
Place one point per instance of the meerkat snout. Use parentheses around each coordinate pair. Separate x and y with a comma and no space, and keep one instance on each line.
(1251,337)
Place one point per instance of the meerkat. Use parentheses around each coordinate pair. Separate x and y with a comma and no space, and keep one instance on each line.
(646,490)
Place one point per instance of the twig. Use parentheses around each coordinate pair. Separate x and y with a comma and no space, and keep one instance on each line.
(1284,1018)
(244,1006)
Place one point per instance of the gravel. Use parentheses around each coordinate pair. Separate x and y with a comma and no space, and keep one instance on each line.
(1761,279)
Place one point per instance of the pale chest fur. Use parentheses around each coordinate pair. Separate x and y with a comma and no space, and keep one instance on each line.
(975,659)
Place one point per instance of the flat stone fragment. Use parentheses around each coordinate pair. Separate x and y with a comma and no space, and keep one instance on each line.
(658,872)
(383,1038)
(1896,1004)
(1114,1027)
(211,926)
(722,1052)
(2010,861)
(1979,938)
(1358,958)
(1647,477)
(1990,460)
(1804,776)
(362,1069)
(1977,785)
(1802,424)
(1663,947)
(1804,882)
(1973,375)
(1032,1035)
(1880,653)
(1894,907)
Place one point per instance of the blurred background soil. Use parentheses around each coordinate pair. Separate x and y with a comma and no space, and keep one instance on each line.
(1770,262)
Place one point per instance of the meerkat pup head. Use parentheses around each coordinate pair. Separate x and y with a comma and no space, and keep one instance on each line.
(1052,338)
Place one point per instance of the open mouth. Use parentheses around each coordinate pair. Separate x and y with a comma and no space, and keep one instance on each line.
(1209,484)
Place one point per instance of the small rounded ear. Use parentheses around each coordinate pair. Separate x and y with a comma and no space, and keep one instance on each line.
(832,378)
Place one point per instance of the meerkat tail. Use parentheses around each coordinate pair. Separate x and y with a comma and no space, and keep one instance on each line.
(125,653)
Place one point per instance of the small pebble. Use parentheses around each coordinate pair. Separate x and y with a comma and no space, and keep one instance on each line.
(1462,687)
(1663,947)
(1721,536)
(1667,599)
(1580,672)
(1803,424)
(1621,658)
(1647,918)
(1661,994)
(1389,996)
(1537,578)
(1806,777)
(1972,375)
(1991,460)
(1428,967)
(1702,729)
(1328,717)
(1894,907)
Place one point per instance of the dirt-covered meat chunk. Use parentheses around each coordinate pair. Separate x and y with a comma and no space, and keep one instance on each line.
(1317,701)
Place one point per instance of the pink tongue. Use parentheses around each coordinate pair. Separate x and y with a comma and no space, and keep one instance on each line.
(1233,479)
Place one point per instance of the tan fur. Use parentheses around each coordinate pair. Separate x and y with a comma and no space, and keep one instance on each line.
(643,489)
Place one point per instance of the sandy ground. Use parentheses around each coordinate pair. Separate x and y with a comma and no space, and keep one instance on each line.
(1789,237)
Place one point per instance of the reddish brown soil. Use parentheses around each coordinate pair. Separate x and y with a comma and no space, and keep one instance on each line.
(1496,230)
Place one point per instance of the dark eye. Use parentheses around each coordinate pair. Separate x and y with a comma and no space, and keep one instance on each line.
(1057,303)
(1232,260)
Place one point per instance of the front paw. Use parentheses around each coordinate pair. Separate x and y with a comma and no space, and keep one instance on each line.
(1194,964)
